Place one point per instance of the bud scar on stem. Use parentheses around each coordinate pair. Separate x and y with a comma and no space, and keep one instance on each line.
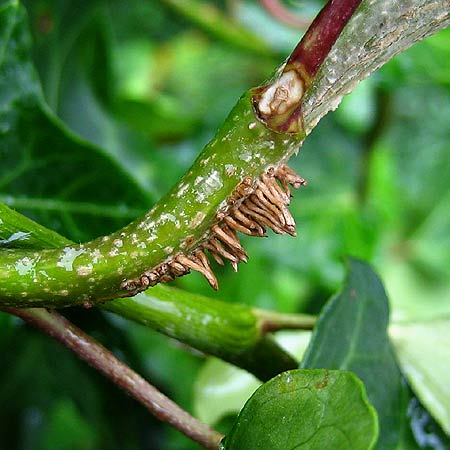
(282,95)
(277,103)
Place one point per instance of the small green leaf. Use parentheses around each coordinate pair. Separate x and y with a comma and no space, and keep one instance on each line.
(351,334)
(306,410)
(423,349)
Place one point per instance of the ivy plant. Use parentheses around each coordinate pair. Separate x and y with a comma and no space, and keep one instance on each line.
(91,235)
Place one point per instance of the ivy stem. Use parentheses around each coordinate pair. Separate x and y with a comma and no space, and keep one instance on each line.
(279,103)
(267,126)
(321,35)
(271,321)
(101,359)
(232,332)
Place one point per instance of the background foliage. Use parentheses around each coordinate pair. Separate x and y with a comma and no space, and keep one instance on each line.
(138,88)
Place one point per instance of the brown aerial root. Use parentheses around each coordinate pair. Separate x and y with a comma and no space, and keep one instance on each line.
(251,212)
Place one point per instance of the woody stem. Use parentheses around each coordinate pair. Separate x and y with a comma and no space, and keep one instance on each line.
(101,359)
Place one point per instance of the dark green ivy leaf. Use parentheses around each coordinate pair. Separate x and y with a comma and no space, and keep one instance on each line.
(46,171)
(351,334)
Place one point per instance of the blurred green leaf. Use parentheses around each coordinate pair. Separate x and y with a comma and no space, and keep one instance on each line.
(416,294)
(47,171)
(64,417)
(413,253)
(169,92)
(423,349)
(267,27)
(356,111)
(135,79)
(222,389)
(73,52)
(210,18)
(307,410)
(351,334)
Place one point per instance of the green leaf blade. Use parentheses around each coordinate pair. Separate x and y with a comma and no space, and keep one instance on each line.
(351,334)
(306,410)
(47,171)
(423,349)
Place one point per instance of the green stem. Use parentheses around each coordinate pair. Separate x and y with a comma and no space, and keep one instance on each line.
(95,271)
(244,149)
(271,321)
(101,359)
(234,333)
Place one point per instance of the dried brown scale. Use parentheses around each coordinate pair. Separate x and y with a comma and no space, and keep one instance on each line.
(223,236)
(264,203)
(219,248)
(194,265)
(237,248)
(258,230)
(262,220)
(237,226)
(272,203)
(273,191)
(287,177)
(177,268)
(207,272)
(289,220)
(253,207)
(167,277)
(202,258)
(254,204)
(153,277)
(216,257)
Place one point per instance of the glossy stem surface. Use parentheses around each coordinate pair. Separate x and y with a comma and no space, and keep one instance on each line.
(232,332)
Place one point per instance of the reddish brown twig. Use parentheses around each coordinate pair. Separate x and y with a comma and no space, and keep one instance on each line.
(278,103)
(320,37)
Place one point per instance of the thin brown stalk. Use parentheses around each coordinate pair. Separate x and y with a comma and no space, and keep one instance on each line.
(101,359)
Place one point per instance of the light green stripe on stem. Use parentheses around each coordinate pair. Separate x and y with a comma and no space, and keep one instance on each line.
(93,272)
(232,332)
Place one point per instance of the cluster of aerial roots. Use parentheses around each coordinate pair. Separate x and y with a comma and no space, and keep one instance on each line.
(253,209)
